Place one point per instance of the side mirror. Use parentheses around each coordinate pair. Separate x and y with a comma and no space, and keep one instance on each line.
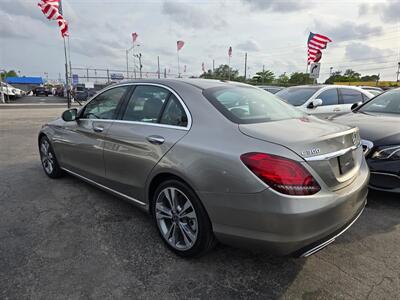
(315,103)
(70,115)
(355,105)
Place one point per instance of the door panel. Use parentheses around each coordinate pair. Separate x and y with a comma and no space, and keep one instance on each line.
(134,145)
(330,104)
(132,150)
(80,143)
(81,147)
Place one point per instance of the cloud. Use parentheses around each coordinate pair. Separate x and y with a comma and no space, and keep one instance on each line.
(363,9)
(12,27)
(191,16)
(22,8)
(362,52)
(281,6)
(348,31)
(249,45)
(390,11)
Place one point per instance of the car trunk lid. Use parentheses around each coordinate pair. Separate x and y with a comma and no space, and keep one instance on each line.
(331,150)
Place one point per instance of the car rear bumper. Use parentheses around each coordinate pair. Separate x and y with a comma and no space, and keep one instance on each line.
(384,181)
(286,225)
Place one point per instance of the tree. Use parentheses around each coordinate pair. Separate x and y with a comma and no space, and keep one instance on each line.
(283,79)
(262,77)
(222,72)
(10,73)
(350,76)
(300,78)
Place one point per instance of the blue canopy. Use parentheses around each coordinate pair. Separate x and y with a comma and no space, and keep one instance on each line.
(24,80)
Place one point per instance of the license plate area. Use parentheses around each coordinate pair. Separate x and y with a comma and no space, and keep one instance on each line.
(346,162)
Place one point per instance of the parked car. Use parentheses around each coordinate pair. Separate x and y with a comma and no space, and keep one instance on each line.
(324,100)
(372,89)
(379,123)
(271,88)
(271,177)
(40,90)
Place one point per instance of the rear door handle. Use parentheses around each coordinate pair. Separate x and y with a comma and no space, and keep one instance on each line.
(98,129)
(155,139)
(336,109)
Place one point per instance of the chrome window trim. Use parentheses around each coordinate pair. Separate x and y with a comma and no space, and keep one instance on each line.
(187,112)
(330,155)
(104,187)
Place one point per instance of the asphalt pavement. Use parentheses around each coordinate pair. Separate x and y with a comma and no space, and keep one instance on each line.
(64,239)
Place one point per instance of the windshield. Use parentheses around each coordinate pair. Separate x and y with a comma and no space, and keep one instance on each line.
(297,95)
(250,105)
(388,103)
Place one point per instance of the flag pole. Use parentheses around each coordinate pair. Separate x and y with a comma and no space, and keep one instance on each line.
(229,67)
(179,68)
(66,75)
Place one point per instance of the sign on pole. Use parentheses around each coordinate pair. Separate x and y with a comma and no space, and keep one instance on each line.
(75,79)
(314,70)
(117,76)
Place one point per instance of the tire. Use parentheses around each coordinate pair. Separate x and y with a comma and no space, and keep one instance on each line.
(184,227)
(48,158)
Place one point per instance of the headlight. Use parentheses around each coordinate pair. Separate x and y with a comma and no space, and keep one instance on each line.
(387,152)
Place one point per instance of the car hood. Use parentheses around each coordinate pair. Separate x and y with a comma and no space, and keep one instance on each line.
(379,129)
(307,136)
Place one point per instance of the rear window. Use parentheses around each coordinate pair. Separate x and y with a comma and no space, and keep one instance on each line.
(297,95)
(244,105)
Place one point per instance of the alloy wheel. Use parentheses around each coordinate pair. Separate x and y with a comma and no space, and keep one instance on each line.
(47,156)
(176,218)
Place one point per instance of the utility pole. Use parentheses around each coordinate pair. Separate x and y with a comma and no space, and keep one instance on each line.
(108,76)
(398,71)
(263,74)
(213,66)
(165,72)
(245,65)
(330,71)
(127,64)
(158,67)
(87,74)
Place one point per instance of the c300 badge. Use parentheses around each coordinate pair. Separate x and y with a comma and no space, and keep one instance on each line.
(312,151)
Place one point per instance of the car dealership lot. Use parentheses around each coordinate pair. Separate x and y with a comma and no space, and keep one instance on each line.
(67,239)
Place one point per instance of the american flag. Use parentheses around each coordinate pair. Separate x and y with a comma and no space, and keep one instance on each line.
(134,37)
(230,51)
(316,42)
(51,10)
(179,45)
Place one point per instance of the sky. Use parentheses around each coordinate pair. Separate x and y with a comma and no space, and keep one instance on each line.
(365,35)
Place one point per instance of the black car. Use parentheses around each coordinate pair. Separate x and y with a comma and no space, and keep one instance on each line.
(41,91)
(379,123)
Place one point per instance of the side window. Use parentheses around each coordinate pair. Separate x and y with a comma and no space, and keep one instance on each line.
(145,104)
(105,104)
(174,114)
(329,97)
(350,96)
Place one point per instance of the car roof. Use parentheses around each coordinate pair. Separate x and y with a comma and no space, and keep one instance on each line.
(195,82)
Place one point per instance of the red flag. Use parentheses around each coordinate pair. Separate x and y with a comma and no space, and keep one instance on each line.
(179,45)
(230,51)
(134,37)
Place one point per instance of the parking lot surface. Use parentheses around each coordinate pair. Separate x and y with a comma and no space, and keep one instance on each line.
(64,239)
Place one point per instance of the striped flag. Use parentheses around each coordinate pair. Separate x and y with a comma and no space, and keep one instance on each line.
(51,10)
(230,51)
(316,42)
(179,45)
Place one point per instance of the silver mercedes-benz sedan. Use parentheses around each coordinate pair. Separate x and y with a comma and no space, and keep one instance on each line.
(213,160)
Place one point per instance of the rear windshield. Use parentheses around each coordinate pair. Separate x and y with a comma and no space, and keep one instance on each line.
(297,95)
(250,105)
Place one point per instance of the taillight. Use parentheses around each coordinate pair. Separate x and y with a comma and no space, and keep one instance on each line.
(282,174)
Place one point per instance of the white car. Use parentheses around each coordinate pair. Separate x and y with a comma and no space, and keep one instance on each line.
(324,100)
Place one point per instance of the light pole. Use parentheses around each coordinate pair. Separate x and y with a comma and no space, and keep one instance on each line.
(139,56)
(127,60)
(1,86)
